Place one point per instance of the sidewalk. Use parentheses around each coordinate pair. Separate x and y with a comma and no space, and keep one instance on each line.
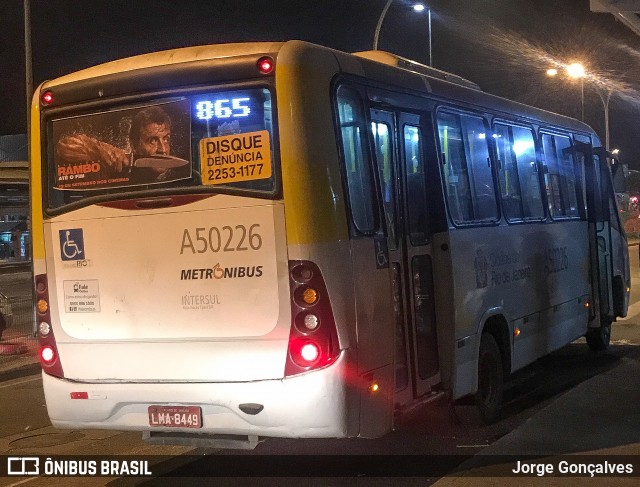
(10,265)
(598,417)
(18,355)
(18,347)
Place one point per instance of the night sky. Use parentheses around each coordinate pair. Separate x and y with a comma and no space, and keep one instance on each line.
(496,43)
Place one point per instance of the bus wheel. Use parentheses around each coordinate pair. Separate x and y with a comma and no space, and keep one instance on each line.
(598,338)
(488,399)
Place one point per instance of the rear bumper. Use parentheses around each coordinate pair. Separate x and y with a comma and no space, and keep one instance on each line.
(312,405)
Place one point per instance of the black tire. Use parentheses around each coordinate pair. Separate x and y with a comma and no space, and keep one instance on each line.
(598,339)
(488,398)
(619,297)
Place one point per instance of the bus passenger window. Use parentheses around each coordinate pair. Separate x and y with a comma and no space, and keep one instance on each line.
(519,184)
(356,161)
(582,182)
(560,178)
(384,158)
(416,185)
(454,168)
(476,144)
(466,168)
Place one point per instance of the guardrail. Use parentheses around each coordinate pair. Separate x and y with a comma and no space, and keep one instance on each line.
(18,338)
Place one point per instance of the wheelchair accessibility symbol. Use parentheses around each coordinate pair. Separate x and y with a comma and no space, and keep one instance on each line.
(72,244)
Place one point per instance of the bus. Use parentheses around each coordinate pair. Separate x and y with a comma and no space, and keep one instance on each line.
(242,241)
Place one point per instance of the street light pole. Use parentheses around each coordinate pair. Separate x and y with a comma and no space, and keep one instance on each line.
(576,70)
(28,60)
(418,7)
(582,97)
(605,105)
(377,33)
(430,49)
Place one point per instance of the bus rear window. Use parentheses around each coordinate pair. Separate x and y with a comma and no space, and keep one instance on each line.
(223,138)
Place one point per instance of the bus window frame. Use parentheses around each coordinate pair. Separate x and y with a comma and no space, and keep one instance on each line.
(459,111)
(539,169)
(428,233)
(385,98)
(398,231)
(553,132)
(378,227)
(131,101)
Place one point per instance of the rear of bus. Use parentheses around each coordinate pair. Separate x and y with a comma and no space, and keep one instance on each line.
(167,299)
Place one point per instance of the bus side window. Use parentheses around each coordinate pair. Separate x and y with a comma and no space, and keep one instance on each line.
(382,134)
(519,185)
(356,161)
(416,185)
(454,168)
(560,178)
(477,152)
(582,182)
(466,168)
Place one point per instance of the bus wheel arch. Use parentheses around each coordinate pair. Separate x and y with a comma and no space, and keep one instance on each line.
(498,327)
(494,365)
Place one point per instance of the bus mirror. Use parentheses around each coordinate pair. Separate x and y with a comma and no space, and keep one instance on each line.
(619,174)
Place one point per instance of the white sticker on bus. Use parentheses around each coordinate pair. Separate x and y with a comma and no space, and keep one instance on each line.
(82,296)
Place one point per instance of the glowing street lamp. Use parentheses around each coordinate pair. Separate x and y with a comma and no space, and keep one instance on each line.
(577,70)
(574,70)
(418,7)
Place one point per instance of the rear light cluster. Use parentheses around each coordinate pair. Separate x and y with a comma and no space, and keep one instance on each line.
(48,350)
(313,341)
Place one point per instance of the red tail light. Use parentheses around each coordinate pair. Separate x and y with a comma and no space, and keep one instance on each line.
(48,351)
(48,355)
(313,340)
(265,64)
(47,98)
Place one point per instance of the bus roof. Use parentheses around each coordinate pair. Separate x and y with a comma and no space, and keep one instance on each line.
(411,65)
(416,77)
(170,56)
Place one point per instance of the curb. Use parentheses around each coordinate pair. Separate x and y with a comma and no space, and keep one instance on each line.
(23,371)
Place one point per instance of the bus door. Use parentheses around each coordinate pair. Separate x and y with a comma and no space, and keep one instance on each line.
(398,147)
(596,189)
(612,237)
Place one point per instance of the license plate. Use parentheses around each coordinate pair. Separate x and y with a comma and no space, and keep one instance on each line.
(175,416)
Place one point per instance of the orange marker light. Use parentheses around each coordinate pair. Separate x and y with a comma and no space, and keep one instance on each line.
(42,306)
(310,295)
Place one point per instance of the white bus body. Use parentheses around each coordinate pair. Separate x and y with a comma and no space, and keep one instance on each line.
(186,310)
